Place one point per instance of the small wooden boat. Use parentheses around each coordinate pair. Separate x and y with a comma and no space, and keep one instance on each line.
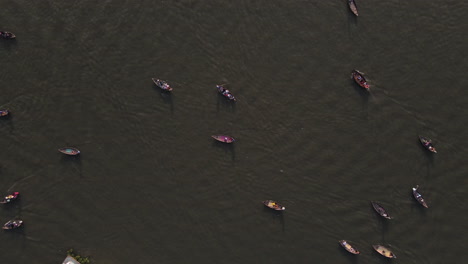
(225,92)
(162,84)
(69,151)
(223,138)
(274,205)
(427,143)
(4,112)
(419,197)
(384,251)
(10,198)
(353,7)
(379,209)
(348,247)
(7,35)
(360,79)
(12,224)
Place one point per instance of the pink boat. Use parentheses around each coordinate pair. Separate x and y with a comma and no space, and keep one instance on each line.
(223,138)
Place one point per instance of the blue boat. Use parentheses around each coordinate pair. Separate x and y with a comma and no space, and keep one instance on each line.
(70,151)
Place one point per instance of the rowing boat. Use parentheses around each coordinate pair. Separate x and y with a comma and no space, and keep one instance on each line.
(7,35)
(10,198)
(380,210)
(12,224)
(162,84)
(225,92)
(274,205)
(69,151)
(348,247)
(360,79)
(4,112)
(223,138)
(384,251)
(427,143)
(353,6)
(419,197)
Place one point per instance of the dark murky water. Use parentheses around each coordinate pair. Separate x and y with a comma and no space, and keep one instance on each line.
(151,186)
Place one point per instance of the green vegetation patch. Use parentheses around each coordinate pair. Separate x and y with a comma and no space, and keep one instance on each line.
(80,259)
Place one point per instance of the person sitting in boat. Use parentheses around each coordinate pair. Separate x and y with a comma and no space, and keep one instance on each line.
(9,198)
(225,92)
(221,89)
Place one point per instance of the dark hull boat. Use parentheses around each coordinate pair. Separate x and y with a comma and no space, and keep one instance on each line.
(70,151)
(384,251)
(274,205)
(225,92)
(4,112)
(348,247)
(353,7)
(380,210)
(359,78)
(7,35)
(10,198)
(162,84)
(223,138)
(12,224)
(427,143)
(419,197)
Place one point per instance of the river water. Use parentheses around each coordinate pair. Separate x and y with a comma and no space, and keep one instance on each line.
(152,186)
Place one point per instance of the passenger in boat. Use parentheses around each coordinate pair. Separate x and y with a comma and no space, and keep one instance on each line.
(8,198)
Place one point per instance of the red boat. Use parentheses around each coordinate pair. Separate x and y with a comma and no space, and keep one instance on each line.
(223,138)
(360,79)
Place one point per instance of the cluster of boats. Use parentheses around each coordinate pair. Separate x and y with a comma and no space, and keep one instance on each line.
(14,223)
(382,250)
(360,79)
(223,91)
(356,75)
